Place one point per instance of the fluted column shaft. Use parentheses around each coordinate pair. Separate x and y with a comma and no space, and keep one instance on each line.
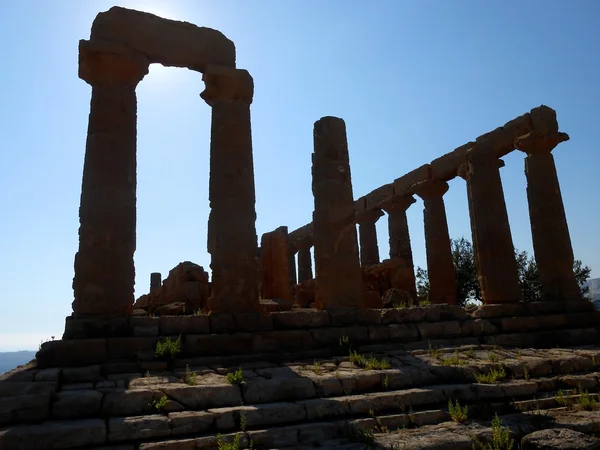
(104,269)
(232,240)
(550,232)
(440,265)
(494,250)
(399,236)
(367,232)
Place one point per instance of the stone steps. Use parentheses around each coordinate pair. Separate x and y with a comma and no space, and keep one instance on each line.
(277,403)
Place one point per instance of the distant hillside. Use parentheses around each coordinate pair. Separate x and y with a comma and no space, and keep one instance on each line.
(10,360)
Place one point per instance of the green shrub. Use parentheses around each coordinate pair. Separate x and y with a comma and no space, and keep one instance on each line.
(458,413)
(236,377)
(494,375)
(369,363)
(168,349)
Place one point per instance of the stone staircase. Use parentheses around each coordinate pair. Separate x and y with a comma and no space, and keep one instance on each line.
(306,379)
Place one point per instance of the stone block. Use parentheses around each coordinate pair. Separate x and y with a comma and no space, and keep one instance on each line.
(583,319)
(274,437)
(176,325)
(333,336)
(437,313)
(253,322)
(433,330)
(314,434)
(500,310)
(24,408)
(222,323)
(271,414)
(325,408)
(52,375)
(120,368)
(403,332)
(350,317)
(286,320)
(374,198)
(80,352)
(519,388)
(404,184)
(137,428)
(81,374)
(278,389)
(518,324)
(204,396)
(131,348)
(144,326)
(403,315)
(445,167)
(77,404)
(217,344)
(129,403)
(281,340)
(189,422)
(552,322)
(378,333)
(477,327)
(54,435)
(96,327)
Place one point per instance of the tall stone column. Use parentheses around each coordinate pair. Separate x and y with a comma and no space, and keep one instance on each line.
(494,250)
(369,250)
(339,283)
(440,266)
(232,240)
(304,260)
(550,232)
(396,207)
(275,276)
(104,270)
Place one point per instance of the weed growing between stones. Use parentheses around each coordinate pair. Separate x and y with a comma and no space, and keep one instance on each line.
(494,375)
(317,368)
(235,445)
(584,401)
(452,361)
(168,349)
(492,357)
(457,412)
(434,352)
(379,426)
(501,439)
(236,377)
(369,363)
(243,421)
(190,376)
(160,404)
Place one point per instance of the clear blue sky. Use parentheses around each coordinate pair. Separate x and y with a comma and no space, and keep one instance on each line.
(413,80)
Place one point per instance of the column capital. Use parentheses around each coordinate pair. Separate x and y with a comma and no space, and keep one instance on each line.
(227,84)
(369,216)
(464,170)
(104,64)
(397,203)
(430,188)
(535,143)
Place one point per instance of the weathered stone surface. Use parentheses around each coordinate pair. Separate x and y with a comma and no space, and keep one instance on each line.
(64,353)
(274,267)
(137,428)
(173,325)
(404,184)
(81,374)
(54,435)
(286,320)
(188,422)
(24,408)
(559,439)
(77,404)
(204,397)
(399,235)
(278,389)
(129,403)
(231,243)
(338,281)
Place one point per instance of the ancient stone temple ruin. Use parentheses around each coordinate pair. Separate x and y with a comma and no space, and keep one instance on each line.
(270,352)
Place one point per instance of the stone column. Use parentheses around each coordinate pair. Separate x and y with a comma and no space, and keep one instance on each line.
(369,250)
(275,276)
(339,283)
(440,265)
(155,281)
(550,232)
(492,239)
(104,270)
(232,240)
(304,260)
(399,235)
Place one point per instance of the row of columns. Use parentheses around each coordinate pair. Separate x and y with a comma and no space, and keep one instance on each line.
(491,235)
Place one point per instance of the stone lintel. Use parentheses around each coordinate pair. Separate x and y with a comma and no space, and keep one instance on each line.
(404,184)
(375,197)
